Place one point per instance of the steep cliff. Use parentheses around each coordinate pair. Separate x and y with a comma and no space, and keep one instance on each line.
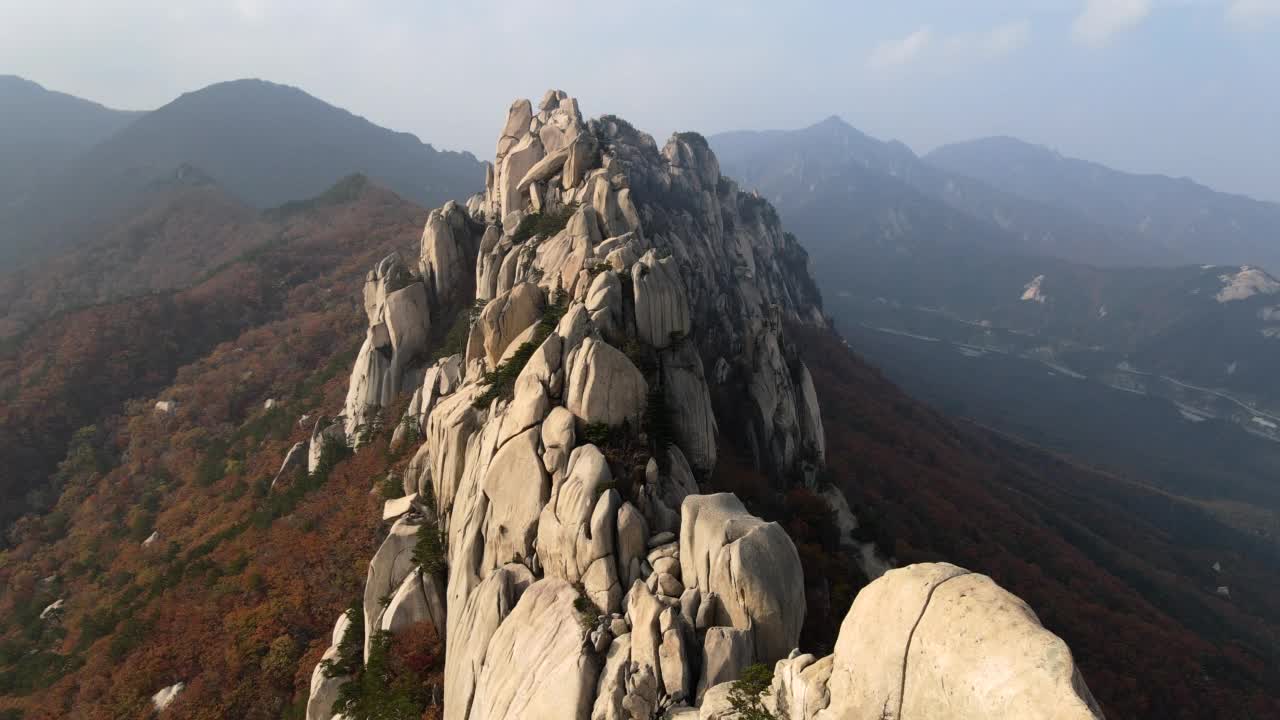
(630,314)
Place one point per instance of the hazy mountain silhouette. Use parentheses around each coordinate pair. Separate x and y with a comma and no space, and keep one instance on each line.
(265,144)
(1177,216)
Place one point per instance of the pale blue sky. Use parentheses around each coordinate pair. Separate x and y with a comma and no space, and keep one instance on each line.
(1181,87)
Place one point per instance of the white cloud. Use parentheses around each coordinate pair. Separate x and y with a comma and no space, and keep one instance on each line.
(993,44)
(901,52)
(1249,14)
(250,10)
(1101,19)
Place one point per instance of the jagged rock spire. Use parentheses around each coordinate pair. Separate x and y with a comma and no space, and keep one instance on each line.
(629,318)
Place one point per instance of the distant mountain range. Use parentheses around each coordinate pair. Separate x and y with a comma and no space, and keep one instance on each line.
(1188,221)
(1034,244)
(846,179)
(1029,199)
(998,249)
(42,131)
(264,144)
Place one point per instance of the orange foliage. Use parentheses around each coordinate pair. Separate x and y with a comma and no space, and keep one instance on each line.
(238,595)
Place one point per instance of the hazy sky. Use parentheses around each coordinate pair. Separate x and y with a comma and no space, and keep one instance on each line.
(1181,87)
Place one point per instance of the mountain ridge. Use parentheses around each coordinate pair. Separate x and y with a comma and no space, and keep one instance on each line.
(1012,224)
(264,143)
(1187,218)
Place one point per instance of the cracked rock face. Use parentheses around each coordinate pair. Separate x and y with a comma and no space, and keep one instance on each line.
(628,312)
(936,635)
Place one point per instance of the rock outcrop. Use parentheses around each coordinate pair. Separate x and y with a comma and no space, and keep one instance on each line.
(751,565)
(324,689)
(538,664)
(938,636)
(165,697)
(627,315)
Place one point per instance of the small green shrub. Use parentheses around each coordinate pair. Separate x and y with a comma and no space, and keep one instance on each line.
(597,433)
(588,613)
(429,552)
(391,486)
(543,224)
(455,341)
(501,381)
(351,650)
(377,690)
(747,691)
(657,423)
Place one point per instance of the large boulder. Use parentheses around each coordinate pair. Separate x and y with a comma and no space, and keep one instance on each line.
(644,611)
(812,434)
(688,399)
(408,322)
(543,169)
(517,488)
(448,255)
(562,257)
(449,428)
(605,386)
(750,564)
(538,664)
(662,306)
(164,697)
(505,317)
(526,153)
(557,441)
(324,689)
(388,276)
(604,302)
(674,659)
(517,125)
(324,436)
(799,690)
(632,546)
(418,599)
(295,459)
(369,387)
(726,652)
(468,640)
(715,704)
(664,491)
(577,527)
(390,565)
(611,688)
(935,636)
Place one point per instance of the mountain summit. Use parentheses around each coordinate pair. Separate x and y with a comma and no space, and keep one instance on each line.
(265,144)
(627,314)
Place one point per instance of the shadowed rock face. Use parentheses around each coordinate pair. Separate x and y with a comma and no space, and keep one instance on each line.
(645,299)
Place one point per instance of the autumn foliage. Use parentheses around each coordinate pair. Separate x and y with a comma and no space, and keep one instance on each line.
(239,591)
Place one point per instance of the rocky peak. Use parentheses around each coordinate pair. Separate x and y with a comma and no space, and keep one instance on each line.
(628,317)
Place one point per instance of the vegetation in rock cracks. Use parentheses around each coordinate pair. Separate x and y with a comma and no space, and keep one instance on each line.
(500,382)
(745,696)
(402,677)
(543,224)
